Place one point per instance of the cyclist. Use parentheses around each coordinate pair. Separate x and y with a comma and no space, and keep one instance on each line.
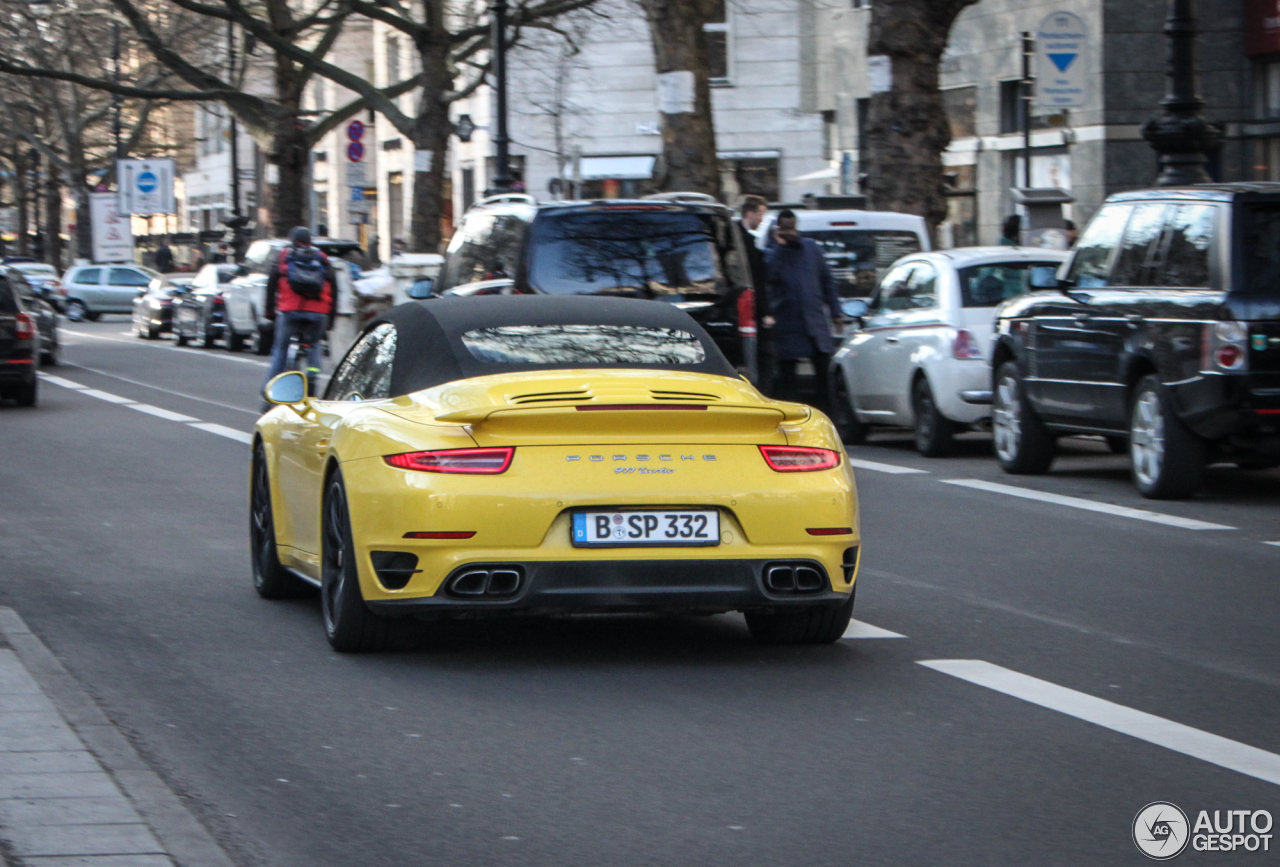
(301,289)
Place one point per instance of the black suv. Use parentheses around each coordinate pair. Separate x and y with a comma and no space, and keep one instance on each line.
(1163,336)
(19,346)
(679,248)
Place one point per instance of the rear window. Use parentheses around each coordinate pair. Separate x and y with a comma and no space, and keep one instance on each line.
(988,285)
(638,253)
(571,345)
(858,258)
(8,304)
(35,269)
(1262,249)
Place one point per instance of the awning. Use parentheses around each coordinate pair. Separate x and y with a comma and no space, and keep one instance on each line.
(623,168)
(820,175)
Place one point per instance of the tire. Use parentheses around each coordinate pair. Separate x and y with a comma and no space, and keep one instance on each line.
(204,336)
(51,356)
(235,340)
(153,333)
(934,431)
(1166,459)
(817,625)
(1118,445)
(851,430)
(180,338)
(93,317)
(270,579)
(27,395)
(348,623)
(76,311)
(261,342)
(1023,445)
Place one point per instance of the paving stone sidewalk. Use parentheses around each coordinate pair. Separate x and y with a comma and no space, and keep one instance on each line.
(63,804)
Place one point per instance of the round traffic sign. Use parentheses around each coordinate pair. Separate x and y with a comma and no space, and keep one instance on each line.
(355,130)
(147,181)
(355,152)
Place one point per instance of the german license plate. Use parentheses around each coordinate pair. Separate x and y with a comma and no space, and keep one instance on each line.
(630,528)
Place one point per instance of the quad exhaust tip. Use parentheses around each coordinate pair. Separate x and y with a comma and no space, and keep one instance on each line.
(793,578)
(485,582)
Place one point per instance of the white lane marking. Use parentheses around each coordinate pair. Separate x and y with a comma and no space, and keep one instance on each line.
(1212,748)
(169,346)
(180,394)
(1087,505)
(58,380)
(893,469)
(105,395)
(158,412)
(228,432)
(1277,544)
(858,629)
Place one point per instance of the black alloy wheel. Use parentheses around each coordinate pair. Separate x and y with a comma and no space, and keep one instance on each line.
(851,430)
(270,578)
(1023,445)
(1167,460)
(815,625)
(934,431)
(348,623)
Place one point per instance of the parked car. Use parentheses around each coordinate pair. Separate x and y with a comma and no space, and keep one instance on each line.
(245,296)
(1164,331)
(19,346)
(153,307)
(41,311)
(199,312)
(92,290)
(674,248)
(860,246)
(919,355)
(44,279)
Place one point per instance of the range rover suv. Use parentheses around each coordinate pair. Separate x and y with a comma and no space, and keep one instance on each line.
(1163,336)
(681,248)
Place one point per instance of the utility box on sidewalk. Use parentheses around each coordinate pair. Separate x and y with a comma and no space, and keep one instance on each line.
(1046,225)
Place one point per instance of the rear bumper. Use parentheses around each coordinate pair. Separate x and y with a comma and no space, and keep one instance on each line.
(624,586)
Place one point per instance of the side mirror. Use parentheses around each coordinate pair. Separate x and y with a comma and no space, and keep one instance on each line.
(422,289)
(287,389)
(853,308)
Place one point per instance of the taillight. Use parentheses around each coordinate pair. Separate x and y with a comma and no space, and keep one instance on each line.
(1226,347)
(963,345)
(470,461)
(799,459)
(25,329)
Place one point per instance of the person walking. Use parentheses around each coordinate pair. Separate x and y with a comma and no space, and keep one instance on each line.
(164,256)
(1011,231)
(752,210)
(300,300)
(803,302)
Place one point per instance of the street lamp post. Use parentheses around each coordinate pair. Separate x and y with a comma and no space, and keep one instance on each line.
(501,181)
(1181,135)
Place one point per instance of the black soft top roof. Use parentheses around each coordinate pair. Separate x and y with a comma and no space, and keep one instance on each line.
(430,352)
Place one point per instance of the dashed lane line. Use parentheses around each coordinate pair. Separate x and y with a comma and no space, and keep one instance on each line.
(159,412)
(858,629)
(875,466)
(1088,505)
(180,394)
(168,346)
(1277,544)
(1180,738)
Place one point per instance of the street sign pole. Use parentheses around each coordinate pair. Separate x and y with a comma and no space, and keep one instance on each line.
(1028,94)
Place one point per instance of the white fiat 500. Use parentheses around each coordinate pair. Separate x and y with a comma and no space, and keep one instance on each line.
(920,354)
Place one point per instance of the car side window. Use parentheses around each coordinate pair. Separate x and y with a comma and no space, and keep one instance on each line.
(1091,267)
(127,277)
(894,289)
(365,373)
(88,275)
(1141,246)
(1191,231)
(922,288)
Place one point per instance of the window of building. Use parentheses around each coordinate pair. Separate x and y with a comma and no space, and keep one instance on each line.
(1266,89)
(395,204)
(717,36)
(961,105)
(318,94)
(468,187)
(393,60)
(1011,106)
(830,135)
(755,173)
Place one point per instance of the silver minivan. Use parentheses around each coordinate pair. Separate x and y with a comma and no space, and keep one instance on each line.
(92,290)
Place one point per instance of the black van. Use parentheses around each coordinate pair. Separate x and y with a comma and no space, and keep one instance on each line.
(1163,335)
(682,249)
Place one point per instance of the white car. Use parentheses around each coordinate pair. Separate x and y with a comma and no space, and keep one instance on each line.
(920,356)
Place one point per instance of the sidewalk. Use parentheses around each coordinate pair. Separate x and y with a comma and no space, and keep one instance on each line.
(73,791)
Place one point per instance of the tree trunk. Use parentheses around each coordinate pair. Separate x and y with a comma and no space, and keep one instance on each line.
(290,150)
(431,131)
(689,160)
(907,128)
(53,217)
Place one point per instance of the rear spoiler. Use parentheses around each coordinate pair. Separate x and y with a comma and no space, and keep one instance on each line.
(786,412)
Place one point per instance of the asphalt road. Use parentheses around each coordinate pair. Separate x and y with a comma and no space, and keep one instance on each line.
(658,741)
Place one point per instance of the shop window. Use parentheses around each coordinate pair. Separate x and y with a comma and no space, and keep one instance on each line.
(750,175)
(717,39)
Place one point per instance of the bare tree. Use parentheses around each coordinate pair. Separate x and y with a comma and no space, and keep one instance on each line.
(907,128)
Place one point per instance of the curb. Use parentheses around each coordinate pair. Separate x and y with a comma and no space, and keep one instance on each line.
(73,790)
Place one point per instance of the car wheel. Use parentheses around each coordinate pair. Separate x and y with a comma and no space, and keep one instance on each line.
(180,336)
(93,317)
(152,333)
(270,579)
(51,356)
(27,393)
(816,625)
(204,336)
(851,430)
(261,342)
(1023,445)
(1167,460)
(235,340)
(348,623)
(76,311)
(1118,445)
(934,431)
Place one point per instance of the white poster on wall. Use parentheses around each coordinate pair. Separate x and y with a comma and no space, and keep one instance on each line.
(112,232)
(676,92)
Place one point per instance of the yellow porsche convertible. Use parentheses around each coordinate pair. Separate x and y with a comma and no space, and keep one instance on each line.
(549,455)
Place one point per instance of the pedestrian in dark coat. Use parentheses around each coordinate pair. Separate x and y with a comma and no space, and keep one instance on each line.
(803,302)
(753,209)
